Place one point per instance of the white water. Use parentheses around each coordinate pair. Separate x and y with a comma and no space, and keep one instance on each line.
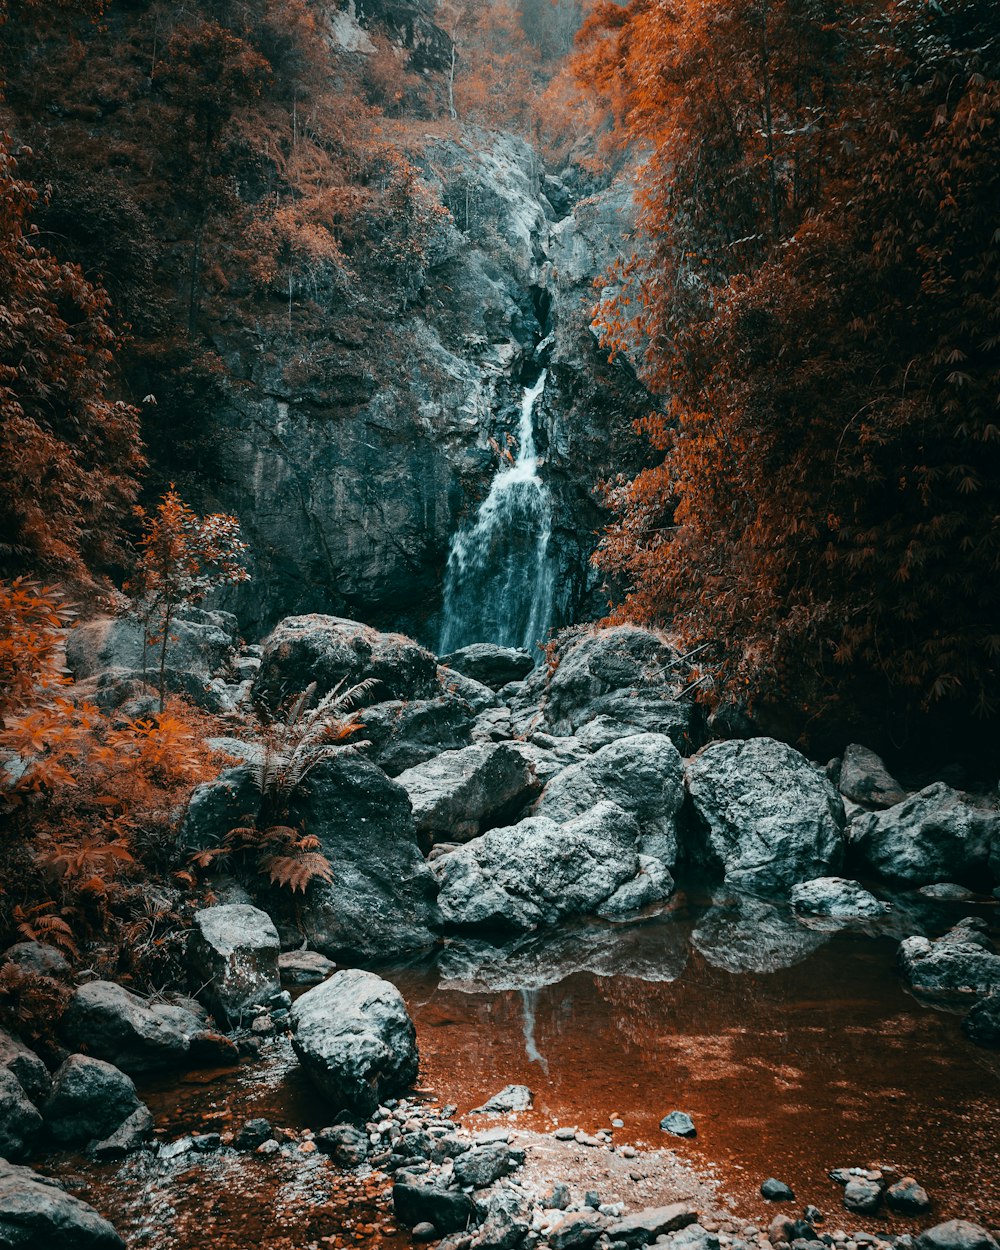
(499,582)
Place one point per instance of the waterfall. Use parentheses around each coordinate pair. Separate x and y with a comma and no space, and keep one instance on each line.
(499,582)
(528,998)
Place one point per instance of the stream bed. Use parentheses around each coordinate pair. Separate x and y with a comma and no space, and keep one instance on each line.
(794,1046)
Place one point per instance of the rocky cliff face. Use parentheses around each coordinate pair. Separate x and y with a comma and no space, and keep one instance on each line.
(353,453)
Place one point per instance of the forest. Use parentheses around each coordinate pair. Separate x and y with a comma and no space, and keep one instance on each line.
(437,436)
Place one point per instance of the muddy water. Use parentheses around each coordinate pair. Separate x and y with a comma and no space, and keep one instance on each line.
(795,1049)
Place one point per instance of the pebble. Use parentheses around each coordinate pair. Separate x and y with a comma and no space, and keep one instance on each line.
(587,1139)
(424,1232)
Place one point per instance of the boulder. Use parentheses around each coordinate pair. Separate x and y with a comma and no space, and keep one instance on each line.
(381,900)
(105,643)
(35,1211)
(347,1146)
(776,1191)
(862,1197)
(956,1235)
(510,1098)
(836,897)
(577,1230)
(355,1040)
(37,958)
(651,884)
(479,697)
(121,1028)
(642,774)
(90,1100)
(865,779)
(304,967)
(489,664)
(483,1165)
(644,1227)
(908,1197)
(404,734)
(131,1135)
(538,872)
(770,819)
(947,892)
(960,964)
(20,1119)
(938,834)
(448,1210)
(330,651)
(982,1024)
(25,1065)
(458,794)
(233,955)
(623,713)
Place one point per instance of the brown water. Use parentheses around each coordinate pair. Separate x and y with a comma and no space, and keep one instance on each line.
(795,1050)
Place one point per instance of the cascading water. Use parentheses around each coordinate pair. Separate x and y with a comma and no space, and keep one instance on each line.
(499,582)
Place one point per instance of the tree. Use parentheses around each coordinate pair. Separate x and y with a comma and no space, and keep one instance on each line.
(820,306)
(69,453)
(181,558)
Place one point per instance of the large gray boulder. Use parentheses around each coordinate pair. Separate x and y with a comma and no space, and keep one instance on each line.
(457,794)
(865,779)
(836,897)
(139,1037)
(355,1040)
(381,900)
(626,677)
(90,1100)
(20,1119)
(956,1235)
(539,872)
(36,1212)
(490,664)
(200,647)
(233,953)
(643,775)
(961,964)
(330,650)
(938,834)
(405,733)
(37,958)
(769,818)
(25,1065)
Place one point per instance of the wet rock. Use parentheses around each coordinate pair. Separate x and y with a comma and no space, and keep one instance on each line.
(956,1235)
(813,1215)
(484,1165)
(946,892)
(510,1098)
(537,873)
(492,665)
(576,1230)
(131,1135)
(781,1228)
(643,1227)
(642,774)
(424,1232)
(478,697)
(908,1197)
(837,897)
(769,818)
(863,1197)
(329,650)
(35,1211)
(457,794)
(233,953)
(90,1100)
(961,963)
(652,884)
(776,1191)
(449,1210)
(404,733)
(679,1124)
(865,779)
(304,967)
(936,835)
(694,1237)
(356,1041)
(253,1134)
(982,1024)
(119,1027)
(37,957)
(20,1120)
(25,1065)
